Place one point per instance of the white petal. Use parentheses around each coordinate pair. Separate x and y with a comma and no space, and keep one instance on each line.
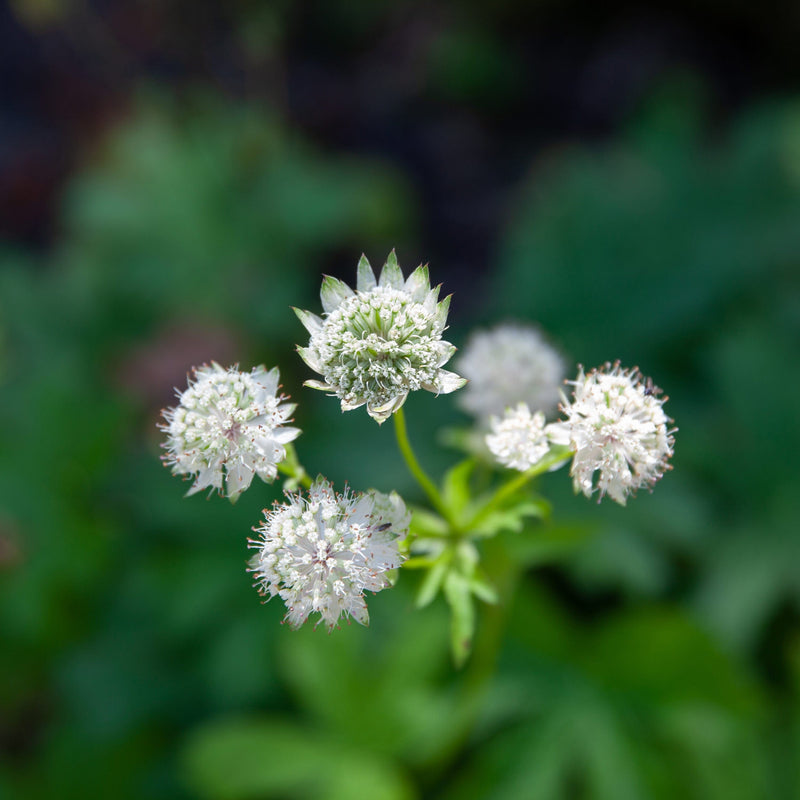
(366,277)
(311,322)
(358,611)
(445,350)
(321,385)
(391,274)
(440,316)
(238,479)
(381,412)
(349,406)
(267,472)
(558,433)
(363,509)
(445,383)
(429,304)
(267,380)
(286,435)
(333,292)
(311,357)
(418,283)
(209,476)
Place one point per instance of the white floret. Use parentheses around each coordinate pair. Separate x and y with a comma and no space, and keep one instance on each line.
(228,426)
(617,427)
(330,549)
(518,440)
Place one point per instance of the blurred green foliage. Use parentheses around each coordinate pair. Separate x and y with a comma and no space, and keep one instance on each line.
(682,253)
(658,658)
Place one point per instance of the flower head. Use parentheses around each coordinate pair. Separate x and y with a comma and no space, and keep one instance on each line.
(380,342)
(228,422)
(616,425)
(509,364)
(321,552)
(518,440)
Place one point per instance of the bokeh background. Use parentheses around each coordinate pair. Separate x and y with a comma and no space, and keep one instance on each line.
(174,176)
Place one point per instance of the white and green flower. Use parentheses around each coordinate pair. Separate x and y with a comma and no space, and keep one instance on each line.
(228,424)
(322,552)
(509,364)
(518,439)
(376,344)
(616,425)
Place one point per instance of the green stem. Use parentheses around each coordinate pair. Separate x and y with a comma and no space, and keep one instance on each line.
(292,468)
(504,573)
(414,467)
(555,455)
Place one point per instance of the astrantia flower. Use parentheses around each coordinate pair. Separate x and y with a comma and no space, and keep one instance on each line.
(379,343)
(518,439)
(322,552)
(228,422)
(507,365)
(617,427)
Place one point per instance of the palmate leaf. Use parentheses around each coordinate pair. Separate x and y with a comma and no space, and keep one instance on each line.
(276,758)
(753,572)
(458,592)
(378,689)
(513,517)
(645,707)
(455,486)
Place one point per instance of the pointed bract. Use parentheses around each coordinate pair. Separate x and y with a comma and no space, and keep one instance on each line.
(440,317)
(311,322)
(391,274)
(333,292)
(311,358)
(365,280)
(418,283)
(447,382)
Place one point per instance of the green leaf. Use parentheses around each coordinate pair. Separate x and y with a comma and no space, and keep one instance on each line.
(462,622)
(455,486)
(512,518)
(274,759)
(425,523)
(432,582)
(548,543)
(482,587)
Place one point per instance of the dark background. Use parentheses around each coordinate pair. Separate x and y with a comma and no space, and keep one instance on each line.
(175,176)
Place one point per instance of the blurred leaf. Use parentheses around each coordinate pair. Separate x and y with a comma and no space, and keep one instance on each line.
(548,543)
(643,706)
(277,758)
(512,518)
(458,593)
(394,667)
(455,486)
(432,582)
(425,523)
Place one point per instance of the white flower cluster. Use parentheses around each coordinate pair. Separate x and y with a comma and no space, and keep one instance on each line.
(519,439)
(617,427)
(382,341)
(232,421)
(322,552)
(506,365)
